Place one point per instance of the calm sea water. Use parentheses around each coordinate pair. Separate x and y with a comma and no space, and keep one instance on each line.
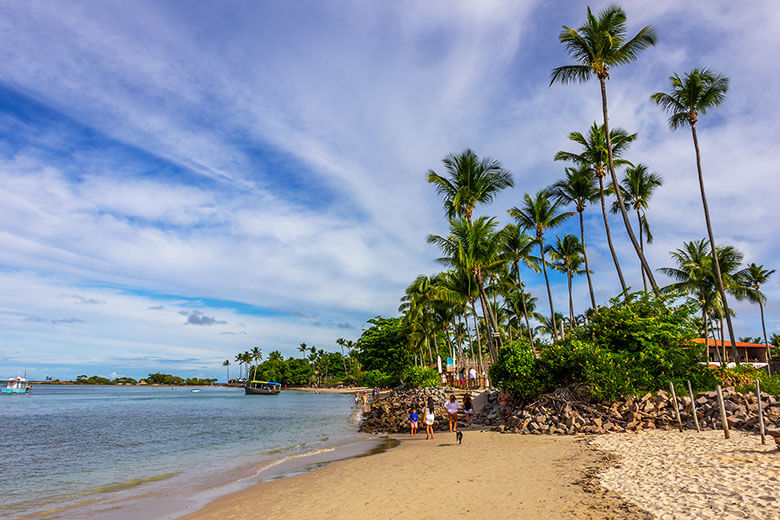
(121,452)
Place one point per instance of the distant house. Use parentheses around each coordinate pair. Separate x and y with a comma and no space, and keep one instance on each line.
(752,353)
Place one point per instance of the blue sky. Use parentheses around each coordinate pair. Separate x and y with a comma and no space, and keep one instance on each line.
(181,181)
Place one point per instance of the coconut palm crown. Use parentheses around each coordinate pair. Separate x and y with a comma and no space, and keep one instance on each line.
(469,181)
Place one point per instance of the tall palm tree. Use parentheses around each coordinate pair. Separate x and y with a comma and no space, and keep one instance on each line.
(540,213)
(566,256)
(416,306)
(598,45)
(595,153)
(637,186)
(226,364)
(474,247)
(696,93)
(518,247)
(469,181)
(303,349)
(240,360)
(578,188)
(754,276)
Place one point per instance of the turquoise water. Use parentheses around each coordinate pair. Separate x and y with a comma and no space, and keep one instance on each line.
(124,452)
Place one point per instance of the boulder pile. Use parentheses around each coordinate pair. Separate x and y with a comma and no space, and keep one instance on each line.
(390,413)
(568,411)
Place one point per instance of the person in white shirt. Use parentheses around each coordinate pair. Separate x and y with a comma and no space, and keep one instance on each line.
(472,377)
(452,407)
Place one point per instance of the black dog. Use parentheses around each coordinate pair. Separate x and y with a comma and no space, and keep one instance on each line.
(459,436)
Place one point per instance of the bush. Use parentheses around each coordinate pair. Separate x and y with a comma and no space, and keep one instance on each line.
(517,370)
(743,379)
(420,376)
(378,378)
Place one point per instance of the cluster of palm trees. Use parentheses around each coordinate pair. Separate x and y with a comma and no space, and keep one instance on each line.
(244,360)
(484,259)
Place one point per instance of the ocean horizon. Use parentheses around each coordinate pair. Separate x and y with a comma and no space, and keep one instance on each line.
(108,452)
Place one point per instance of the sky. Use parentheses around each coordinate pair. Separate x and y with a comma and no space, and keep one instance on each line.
(182,181)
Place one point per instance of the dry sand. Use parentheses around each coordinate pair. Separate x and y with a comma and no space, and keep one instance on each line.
(489,476)
(693,475)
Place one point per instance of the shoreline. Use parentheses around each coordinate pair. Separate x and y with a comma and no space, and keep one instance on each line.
(490,475)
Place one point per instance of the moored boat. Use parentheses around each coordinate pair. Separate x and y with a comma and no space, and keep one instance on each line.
(18,385)
(262,388)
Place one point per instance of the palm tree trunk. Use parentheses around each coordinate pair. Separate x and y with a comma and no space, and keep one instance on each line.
(723,342)
(487,313)
(623,212)
(527,321)
(468,331)
(549,292)
(587,268)
(706,333)
(609,235)
(479,339)
(571,301)
(712,245)
(642,247)
(766,343)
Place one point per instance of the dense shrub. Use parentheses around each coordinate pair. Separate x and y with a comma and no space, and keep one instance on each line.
(378,378)
(638,343)
(743,378)
(420,376)
(517,370)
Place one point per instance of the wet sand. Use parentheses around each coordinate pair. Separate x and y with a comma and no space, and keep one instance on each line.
(489,476)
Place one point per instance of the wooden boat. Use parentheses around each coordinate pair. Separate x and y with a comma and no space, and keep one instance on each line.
(262,388)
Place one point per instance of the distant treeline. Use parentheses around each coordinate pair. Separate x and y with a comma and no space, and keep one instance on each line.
(152,379)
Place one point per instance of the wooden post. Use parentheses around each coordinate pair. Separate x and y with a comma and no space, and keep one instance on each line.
(723,413)
(676,407)
(693,407)
(760,412)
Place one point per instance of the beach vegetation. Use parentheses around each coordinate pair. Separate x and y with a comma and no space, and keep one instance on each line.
(417,376)
(517,370)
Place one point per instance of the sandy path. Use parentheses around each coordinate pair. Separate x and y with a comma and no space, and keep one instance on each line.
(489,476)
(696,476)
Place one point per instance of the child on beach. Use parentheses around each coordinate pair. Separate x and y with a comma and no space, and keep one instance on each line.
(413,417)
(429,418)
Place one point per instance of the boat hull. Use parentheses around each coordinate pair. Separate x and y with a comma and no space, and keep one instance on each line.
(259,391)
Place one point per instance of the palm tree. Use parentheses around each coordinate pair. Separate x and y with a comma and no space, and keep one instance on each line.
(637,186)
(540,214)
(566,255)
(754,276)
(598,45)
(546,325)
(302,349)
(469,181)
(696,93)
(416,306)
(240,360)
(226,364)
(578,188)
(695,274)
(474,247)
(595,153)
(341,342)
(458,287)
(518,247)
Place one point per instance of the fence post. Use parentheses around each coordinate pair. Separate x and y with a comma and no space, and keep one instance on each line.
(676,406)
(693,407)
(723,413)
(760,412)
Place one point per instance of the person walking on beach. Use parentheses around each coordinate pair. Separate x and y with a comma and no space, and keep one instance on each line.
(357,399)
(413,417)
(365,402)
(504,402)
(429,418)
(468,407)
(472,377)
(452,407)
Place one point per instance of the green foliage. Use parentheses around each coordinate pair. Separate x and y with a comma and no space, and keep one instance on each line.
(164,379)
(199,381)
(743,379)
(93,380)
(383,347)
(517,370)
(378,378)
(420,376)
(124,381)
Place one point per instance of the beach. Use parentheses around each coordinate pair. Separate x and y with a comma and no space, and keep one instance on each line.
(490,475)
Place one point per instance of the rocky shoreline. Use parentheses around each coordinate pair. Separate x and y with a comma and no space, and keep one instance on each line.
(568,411)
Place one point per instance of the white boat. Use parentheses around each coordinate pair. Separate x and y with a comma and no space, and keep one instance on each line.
(18,385)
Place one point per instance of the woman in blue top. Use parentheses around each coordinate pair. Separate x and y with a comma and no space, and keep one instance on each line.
(413,418)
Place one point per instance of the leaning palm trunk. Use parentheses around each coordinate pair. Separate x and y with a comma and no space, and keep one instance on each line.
(468,331)
(642,247)
(486,313)
(479,339)
(549,292)
(587,268)
(571,300)
(705,321)
(623,212)
(712,245)
(527,321)
(609,235)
